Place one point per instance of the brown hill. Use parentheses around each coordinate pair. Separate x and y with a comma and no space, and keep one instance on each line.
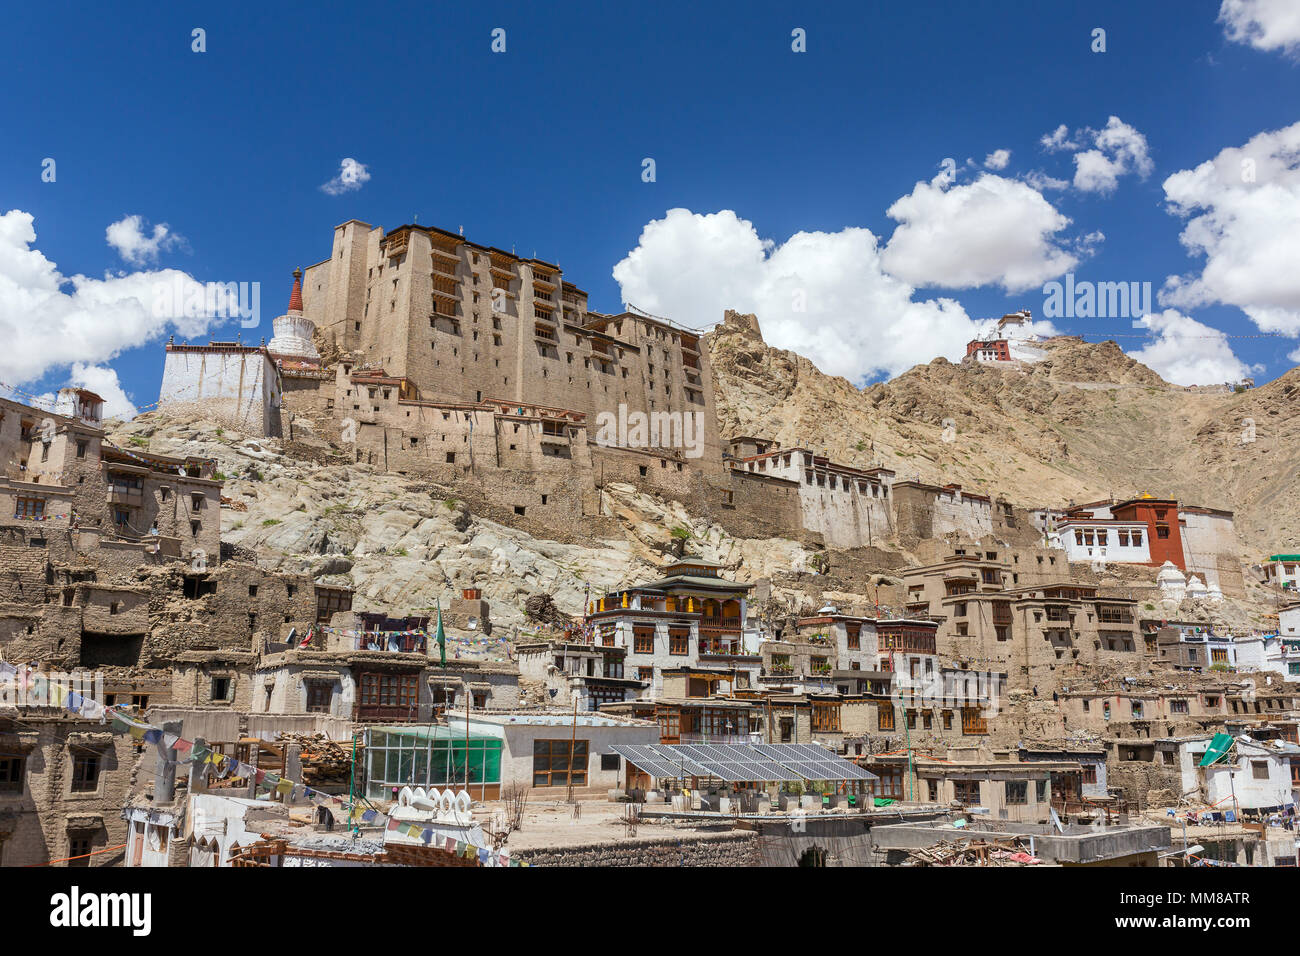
(1086,422)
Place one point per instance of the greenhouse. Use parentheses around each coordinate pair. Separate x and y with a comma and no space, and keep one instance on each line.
(431,756)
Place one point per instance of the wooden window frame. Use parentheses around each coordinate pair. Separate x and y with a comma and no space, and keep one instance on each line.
(555,753)
(87,766)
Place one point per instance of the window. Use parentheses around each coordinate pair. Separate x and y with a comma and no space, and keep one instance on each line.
(388,690)
(85,772)
(609,762)
(221,688)
(1259,769)
(1040,791)
(11,773)
(679,641)
(826,718)
(643,640)
(552,761)
(885,716)
(966,791)
(320,694)
(1017,792)
(973,722)
(29,508)
(645,673)
(854,636)
(1178,706)
(79,847)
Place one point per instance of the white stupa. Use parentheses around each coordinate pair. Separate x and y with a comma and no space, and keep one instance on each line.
(293,330)
(1215,595)
(1196,589)
(1173,586)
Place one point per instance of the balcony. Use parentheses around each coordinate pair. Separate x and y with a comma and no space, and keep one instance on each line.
(721,623)
(118,495)
(730,649)
(392,643)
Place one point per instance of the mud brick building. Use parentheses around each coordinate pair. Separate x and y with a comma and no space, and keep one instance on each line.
(1035,633)
(63,782)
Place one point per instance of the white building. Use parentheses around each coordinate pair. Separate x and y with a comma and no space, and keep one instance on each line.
(848,506)
(1252,776)
(1283,571)
(224,382)
(81,404)
(1105,540)
(540,749)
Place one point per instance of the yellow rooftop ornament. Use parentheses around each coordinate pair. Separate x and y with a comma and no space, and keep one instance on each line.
(625,599)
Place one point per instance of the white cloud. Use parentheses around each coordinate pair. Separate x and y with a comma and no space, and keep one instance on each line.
(351,176)
(994,231)
(49,321)
(1263,24)
(1243,215)
(1058,140)
(821,294)
(997,159)
(1041,181)
(1100,156)
(127,236)
(1187,352)
(1119,149)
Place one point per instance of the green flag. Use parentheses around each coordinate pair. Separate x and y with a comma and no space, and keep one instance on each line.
(442,637)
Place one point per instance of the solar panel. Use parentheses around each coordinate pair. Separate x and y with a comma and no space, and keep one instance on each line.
(813,763)
(713,761)
(648,761)
(736,763)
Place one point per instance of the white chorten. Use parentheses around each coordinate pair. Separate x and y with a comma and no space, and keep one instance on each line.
(1173,586)
(293,330)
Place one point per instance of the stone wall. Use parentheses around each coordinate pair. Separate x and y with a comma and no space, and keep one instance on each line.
(725,849)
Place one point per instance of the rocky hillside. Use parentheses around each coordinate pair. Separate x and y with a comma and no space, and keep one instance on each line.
(402,543)
(1085,423)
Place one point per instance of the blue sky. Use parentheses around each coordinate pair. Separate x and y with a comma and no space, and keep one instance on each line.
(542,148)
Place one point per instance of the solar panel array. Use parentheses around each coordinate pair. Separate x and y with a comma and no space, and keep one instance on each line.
(814,763)
(735,763)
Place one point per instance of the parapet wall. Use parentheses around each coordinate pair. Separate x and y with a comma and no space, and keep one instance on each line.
(729,848)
